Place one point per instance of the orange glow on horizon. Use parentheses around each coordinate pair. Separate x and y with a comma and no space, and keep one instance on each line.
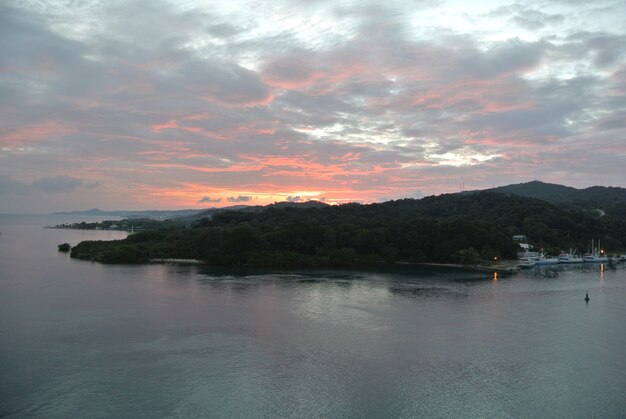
(190,195)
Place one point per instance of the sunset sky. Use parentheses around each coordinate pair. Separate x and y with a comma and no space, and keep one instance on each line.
(191,104)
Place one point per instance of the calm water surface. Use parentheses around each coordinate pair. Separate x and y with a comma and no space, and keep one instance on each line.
(80,339)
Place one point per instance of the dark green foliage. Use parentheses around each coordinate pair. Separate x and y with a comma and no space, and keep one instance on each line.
(610,199)
(461,228)
(64,247)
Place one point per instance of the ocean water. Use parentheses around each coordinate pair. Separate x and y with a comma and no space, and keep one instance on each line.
(81,339)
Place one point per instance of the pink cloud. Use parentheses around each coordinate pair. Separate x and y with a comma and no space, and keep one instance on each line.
(33,133)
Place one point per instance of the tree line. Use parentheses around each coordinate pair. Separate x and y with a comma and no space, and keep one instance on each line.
(453,228)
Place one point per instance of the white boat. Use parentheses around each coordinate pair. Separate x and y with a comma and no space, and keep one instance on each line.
(543,259)
(570,257)
(596,254)
(526,262)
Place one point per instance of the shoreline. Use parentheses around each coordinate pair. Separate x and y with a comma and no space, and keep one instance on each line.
(508,268)
(174,261)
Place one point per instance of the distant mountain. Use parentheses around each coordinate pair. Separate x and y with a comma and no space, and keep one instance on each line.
(250,208)
(156,214)
(546,191)
(306,204)
(611,200)
(209,213)
(557,194)
(189,215)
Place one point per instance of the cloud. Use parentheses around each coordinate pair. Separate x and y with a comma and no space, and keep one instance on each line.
(54,184)
(222,30)
(294,198)
(512,56)
(532,20)
(9,185)
(57,184)
(358,100)
(206,199)
(240,198)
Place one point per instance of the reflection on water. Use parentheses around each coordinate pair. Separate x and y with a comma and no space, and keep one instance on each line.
(83,339)
(408,290)
(602,272)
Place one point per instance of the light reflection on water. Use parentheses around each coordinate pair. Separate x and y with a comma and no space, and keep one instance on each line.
(78,338)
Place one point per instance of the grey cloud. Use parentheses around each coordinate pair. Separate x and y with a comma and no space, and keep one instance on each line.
(413,132)
(20,36)
(240,198)
(465,105)
(91,185)
(534,20)
(227,83)
(527,23)
(614,121)
(296,66)
(556,103)
(294,198)
(206,199)
(511,56)
(605,49)
(380,92)
(153,24)
(504,11)
(57,184)
(526,18)
(9,185)
(222,30)
(608,48)
(393,156)
(53,184)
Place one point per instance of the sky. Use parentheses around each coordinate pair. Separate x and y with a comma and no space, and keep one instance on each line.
(156,104)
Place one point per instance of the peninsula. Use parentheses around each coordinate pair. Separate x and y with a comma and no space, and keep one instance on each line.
(463,228)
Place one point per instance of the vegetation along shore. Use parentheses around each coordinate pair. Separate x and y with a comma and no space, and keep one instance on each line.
(462,228)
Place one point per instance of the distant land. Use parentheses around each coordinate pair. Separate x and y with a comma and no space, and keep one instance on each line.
(159,214)
(607,198)
(555,193)
(187,213)
(466,227)
(610,200)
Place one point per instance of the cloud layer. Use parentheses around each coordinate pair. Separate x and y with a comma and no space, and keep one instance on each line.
(161,104)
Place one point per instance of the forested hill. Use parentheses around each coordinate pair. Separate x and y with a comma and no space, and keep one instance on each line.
(610,199)
(445,228)
(208,213)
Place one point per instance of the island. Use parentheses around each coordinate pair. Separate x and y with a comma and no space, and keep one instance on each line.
(462,228)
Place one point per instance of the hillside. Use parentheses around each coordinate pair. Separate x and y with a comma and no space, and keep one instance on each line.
(611,200)
(460,228)
(209,213)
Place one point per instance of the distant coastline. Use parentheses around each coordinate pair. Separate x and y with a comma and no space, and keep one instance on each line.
(461,231)
(173,261)
(504,267)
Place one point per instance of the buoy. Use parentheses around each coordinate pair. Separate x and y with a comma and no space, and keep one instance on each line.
(587,297)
